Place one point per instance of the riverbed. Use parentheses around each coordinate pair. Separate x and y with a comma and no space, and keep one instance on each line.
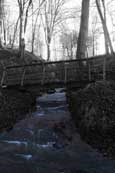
(48,142)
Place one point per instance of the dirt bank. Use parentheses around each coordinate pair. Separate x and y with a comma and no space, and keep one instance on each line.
(93,111)
(14,105)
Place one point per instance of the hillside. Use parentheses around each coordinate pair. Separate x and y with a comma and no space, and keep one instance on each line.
(11,57)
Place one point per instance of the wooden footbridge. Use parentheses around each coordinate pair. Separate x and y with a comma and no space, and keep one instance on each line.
(63,72)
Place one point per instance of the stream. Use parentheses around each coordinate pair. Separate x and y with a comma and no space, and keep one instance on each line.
(48,142)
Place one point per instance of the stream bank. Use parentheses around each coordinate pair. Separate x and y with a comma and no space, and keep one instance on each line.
(15,104)
(93,111)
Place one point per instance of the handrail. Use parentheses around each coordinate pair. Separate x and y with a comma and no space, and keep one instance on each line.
(66,70)
(61,61)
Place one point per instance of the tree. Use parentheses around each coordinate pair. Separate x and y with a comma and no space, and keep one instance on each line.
(95,32)
(51,17)
(1,21)
(23,21)
(108,43)
(34,24)
(68,41)
(83,33)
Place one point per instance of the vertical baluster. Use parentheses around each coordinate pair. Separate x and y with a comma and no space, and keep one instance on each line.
(43,74)
(65,73)
(3,74)
(104,68)
(89,71)
(3,77)
(23,77)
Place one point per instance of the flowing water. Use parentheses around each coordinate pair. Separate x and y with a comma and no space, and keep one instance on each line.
(47,142)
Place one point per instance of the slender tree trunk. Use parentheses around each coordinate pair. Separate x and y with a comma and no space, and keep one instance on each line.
(15,30)
(108,43)
(106,40)
(93,44)
(1,21)
(83,33)
(5,35)
(105,29)
(26,17)
(33,34)
(48,43)
(48,51)
(20,36)
(0,34)
(34,27)
(21,24)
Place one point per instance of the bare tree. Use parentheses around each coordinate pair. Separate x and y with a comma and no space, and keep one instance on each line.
(51,17)
(1,20)
(96,31)
(15,31)
(108,43)
(69,43)
(24,6)
(34,23)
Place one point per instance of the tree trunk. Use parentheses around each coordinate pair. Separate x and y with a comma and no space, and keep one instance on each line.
(21,24)
(20,35)
(48,51)
(93,44)
(83,33)
(106,42)
(5,35)
(0,34)
(106,33)
(1,20)
(15,30)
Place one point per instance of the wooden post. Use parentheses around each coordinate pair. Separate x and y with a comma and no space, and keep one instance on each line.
(43,74)
(3,74)
(65,73)
(3,77)
(23,76)
(104,68)
(22,49)
(89,71)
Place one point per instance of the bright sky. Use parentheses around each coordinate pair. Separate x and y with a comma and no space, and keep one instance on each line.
(72,24)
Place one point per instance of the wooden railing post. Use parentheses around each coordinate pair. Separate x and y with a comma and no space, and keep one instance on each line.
(43,74)
(104,68)
(3,77)
(23,77)
(89,71)
(3,74)
(65,73)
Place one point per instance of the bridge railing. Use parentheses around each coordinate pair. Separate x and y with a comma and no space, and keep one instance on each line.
(56,71)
